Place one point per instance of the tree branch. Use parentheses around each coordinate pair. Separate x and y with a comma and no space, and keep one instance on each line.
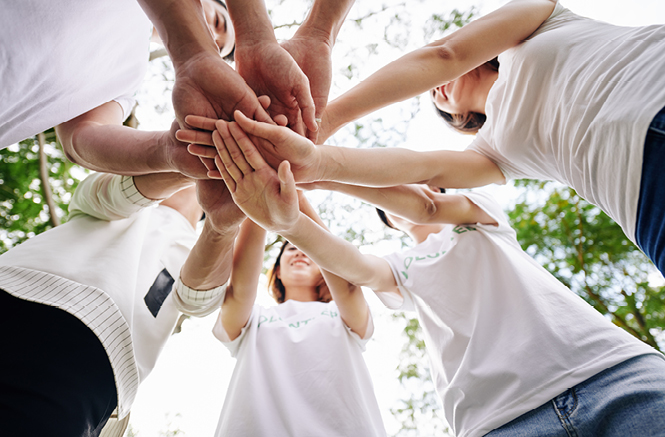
(46,186)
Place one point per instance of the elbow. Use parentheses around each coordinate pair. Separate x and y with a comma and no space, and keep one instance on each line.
(67,139)
(426,212)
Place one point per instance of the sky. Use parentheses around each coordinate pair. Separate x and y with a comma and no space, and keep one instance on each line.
(188,385)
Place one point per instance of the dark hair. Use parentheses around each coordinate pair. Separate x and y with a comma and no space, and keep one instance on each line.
(384,217)
(275,285)
(231,56)
(471,122)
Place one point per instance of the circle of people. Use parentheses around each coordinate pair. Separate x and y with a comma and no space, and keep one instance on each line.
(547,94)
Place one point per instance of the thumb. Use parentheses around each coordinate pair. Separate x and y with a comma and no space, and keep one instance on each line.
(287,183)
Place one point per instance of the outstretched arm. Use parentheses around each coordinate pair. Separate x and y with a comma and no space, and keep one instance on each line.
(439,62)
(271,201)
(349,297)
(389,166)
(98,141)
(205,85)
(417,203)
(267,67)
(210,261)
(312,45)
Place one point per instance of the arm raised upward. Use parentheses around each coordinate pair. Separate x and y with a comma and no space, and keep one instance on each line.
(270,199)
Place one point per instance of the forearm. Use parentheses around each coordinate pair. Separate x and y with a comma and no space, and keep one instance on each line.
(397,166)
(181,27)
(251,21)
(334,254)
(247,265)
(209,262)
(325,19)
(117,149)
(408,76)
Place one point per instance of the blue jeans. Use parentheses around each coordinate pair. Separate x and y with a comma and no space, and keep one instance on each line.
(650,226)
(627,400)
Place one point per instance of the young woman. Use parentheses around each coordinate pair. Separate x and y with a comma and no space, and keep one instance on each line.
(573,100)
(513,351)
(299,370)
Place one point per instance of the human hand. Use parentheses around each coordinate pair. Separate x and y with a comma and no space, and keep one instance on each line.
(269,198)
(207,86)
(280,143)
(313,55)
(200,131)
(179,159)
(270,70)
(217,203)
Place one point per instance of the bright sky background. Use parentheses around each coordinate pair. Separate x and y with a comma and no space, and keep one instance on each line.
(192,374)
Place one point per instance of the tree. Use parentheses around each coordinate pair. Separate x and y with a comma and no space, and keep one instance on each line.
(36,182)
(588,252)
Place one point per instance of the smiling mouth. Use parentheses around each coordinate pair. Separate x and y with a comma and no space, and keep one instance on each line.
(443,91)
(305,263)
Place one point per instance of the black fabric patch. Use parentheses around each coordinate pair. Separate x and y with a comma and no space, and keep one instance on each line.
(158,292)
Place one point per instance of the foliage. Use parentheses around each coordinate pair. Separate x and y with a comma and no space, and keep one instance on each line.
(23,209)
(419,411)
(588,252)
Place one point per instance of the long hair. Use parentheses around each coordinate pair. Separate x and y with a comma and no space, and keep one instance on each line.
(471,122)
(275,285)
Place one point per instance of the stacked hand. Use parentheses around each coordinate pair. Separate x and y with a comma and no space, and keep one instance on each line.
(268,197)
(207,86)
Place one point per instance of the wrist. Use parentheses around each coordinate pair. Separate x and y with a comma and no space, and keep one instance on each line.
(292,231)
(309,31)
(183,30)
(219,233)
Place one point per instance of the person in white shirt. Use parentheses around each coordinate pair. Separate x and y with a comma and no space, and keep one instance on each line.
(512,350)
(573,100)
(90,304)
(299,369)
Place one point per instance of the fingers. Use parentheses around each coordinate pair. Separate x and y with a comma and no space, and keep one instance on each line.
(264,101)
(203,151)
(262,130)
(194,137)
(287,183)
(228,180)
(229,167)
(200,122)
(307,107)
(281,120)
(247,148)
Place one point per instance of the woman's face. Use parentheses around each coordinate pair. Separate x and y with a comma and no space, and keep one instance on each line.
(219,23)
(456,96)
(296,269)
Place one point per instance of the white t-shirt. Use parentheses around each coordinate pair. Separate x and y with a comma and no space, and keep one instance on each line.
(503,335)
(61,59)
(300,372)
(573,104)
(112,265)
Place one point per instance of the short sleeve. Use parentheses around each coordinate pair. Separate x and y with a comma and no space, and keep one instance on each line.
(127,104)
(233,345)
(400,299)
(482,147)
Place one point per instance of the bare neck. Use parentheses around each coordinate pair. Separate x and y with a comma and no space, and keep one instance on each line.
(301,294)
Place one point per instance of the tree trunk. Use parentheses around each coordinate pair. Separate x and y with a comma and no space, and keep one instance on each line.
(46,186)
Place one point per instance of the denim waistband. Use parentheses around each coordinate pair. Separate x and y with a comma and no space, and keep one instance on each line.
(658,122)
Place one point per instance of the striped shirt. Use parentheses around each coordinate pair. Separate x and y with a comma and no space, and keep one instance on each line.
(112,265)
